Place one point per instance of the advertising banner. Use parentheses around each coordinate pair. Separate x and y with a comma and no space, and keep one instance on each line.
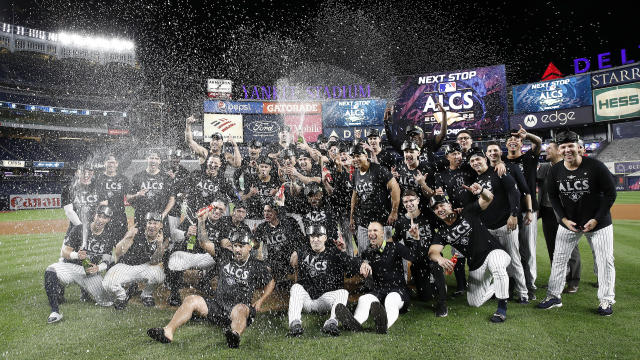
(291,108)
(12,163)
(219,88)
(633,183)
(474,99)
(617,76)
(626,130)
(226,124)
(347,133)
(626,167)
(48,164)
(620,182)
(569,92)
(353,113)
(309,126)
(35,201)
(262,127)
(232,107)
(617,102)
(118,132)
(552,119)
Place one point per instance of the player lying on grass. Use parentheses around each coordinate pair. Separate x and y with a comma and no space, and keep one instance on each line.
(239,275)
(486,258)
(85,255)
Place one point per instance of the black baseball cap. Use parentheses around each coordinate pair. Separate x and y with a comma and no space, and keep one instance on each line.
(414,129)
(358,149)
(240,237)
(153,215)
(475,151)
(410,145)
(373,133)
(287,153)
(316,230)
(239,204)
(312,188)
(567,137)
(452,148)
(464,131)
(255,144)
(264,160)
(104,210)
(217,136)
(343,147)
(322,139)
(438,199)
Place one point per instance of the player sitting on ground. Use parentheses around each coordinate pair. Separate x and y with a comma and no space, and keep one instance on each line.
(85,255)
(320,285)
(239,274)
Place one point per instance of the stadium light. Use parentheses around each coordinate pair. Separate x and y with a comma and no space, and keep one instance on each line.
(97,43)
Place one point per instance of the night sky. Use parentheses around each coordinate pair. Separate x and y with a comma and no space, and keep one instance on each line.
(181,42)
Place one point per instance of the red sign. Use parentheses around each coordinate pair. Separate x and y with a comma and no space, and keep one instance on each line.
(35,201)
(310,126)
(219,95)
(551,73)
(118,132)
(292,107)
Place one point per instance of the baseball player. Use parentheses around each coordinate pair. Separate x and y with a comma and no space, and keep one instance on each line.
(413,174)
(379,155)
(581,191)
(528,163)
(80,199)
(389,286)
(138,258)
(487,260)
(320,285)
(501,216)
(249,167)
(84,259)
(180,177)
(215,147)
(259,190)
(209,185)
(317,211)
(111,188)
(239,275)
(464,139)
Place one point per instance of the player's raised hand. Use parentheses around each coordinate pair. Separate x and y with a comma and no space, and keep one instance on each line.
(394,172)
(590,225)
(365,269)
(393,216)
(419,177)
(414,231)
(388,113)
(522,133)
(572,226)
(191,119)
(439,191)
(475,188)
(193,230)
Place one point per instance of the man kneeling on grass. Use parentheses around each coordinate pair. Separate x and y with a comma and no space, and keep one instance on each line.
(239,275)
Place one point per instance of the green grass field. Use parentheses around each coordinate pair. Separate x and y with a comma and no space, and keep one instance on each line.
(88,331)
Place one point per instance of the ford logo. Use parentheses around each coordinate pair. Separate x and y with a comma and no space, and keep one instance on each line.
(264,127)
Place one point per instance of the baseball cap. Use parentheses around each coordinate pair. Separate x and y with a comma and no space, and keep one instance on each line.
(216,136)
(316,230)
(453,147)
(343,147)
(373,133)
(255,144)
(264,160)
(475,152)
(567,137)
(322,139)
(104,210)
(153,215)
(410,145)
(414,129)
(239,204)
(312,188)
(241,237)
(358,149)
(438,199)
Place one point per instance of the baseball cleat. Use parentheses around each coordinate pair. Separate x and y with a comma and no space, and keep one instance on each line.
(532,296)
(157,334)
(549,302)
(233,339)
(296,329)
(148,301)
(523,301)
(441,310)
(571,289)
(346,318)
(605,308)
(174,299)
(498,318)
(379,317)
(54,317)
(120,304)
(331,328)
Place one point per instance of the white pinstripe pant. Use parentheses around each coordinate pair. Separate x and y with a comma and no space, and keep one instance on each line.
(392,304)
(529,235)
(601,242)
(121,274)
(182,260)
(509,240)
(299,300)
(68,273)
(481,287)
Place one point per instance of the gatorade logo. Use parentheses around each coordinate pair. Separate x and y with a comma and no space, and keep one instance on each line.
(530,121)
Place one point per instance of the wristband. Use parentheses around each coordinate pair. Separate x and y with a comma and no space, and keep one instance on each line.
(102,267)
(73,255)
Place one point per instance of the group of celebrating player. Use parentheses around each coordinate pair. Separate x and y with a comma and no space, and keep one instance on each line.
(304,216)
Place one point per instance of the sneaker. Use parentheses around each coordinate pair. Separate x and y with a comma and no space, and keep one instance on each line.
(523,300)
(458,292)
(105,303)
(148,301)
(233,338)
(54,317)
(174,299)
(441,310)
(605,308)
(120,304)
(532,296)
(157,334)
(331,328)
(498,318)
(549,302)
(85,297)
(346,318)
(296,329)
(571,289)
(379,317)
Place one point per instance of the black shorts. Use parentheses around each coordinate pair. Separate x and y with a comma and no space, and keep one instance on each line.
(220,313)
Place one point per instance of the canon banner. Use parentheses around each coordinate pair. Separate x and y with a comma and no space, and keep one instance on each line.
(35,201)
(474,99)
(569,92)
(353,113)
(552,119)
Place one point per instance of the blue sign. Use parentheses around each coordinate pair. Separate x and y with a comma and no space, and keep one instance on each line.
(625,130)
(262,127)
(48,164)
(347,133)
(570,92)
(232,107)
(345,113)
(618,76)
